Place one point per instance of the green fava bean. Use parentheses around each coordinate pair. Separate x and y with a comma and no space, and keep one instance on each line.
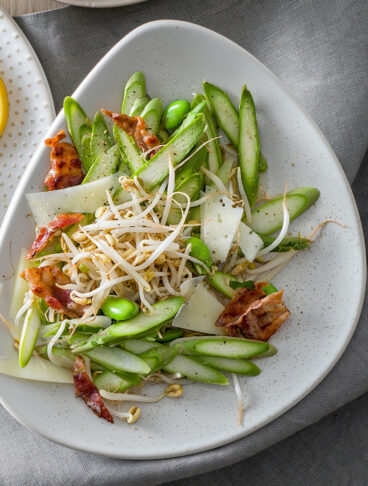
(119,309)
(200,251)
(175,113)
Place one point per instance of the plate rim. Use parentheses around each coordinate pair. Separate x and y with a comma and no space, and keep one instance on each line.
(97,4)
(268,419)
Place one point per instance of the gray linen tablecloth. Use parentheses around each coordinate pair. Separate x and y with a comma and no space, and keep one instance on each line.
(319,50)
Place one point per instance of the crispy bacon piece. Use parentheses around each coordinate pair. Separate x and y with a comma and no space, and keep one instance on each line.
(43,283)
(66,169)
(254,314)
(85,388)
(136,127)
(47,232)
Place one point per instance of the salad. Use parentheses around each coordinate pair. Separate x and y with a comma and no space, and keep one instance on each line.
(155,250)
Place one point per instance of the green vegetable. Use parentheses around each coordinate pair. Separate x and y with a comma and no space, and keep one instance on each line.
(152,114)
(262,165)
(224,347)
(127,146)
(190,117)
(75,118)
(157,169)
(175,113)
(224,171)
(269,289)
(86,150)
(196,161)
(138,106)
(195,371)
(100,322)
(288,243)
(192,187)
(135,89)
(114,382)
(248,284)
(138,346)
(224,111)
(214,148)
(169,335)
(240,366)
(105,164)
(119,309)
(271,352)
(140,325)
(158,356)
(162,134)
(200,251)
(101,139)
(221,281)
(249,147)
(117,359)
(63,355)
(268,217)
(28,338)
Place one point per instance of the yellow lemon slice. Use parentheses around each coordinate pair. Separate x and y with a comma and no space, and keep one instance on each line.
(3,106)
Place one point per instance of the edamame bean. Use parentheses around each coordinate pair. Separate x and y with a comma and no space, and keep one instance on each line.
(200,251)
(175,113)
(119,309)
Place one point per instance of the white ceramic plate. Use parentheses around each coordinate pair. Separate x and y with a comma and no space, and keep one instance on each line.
(100,3)
(31,108)
(323,286)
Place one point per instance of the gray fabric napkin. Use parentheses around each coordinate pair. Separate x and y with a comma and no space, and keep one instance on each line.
(319,49)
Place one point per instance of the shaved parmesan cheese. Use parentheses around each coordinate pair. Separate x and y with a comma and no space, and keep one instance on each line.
(37,369)
(219,223)
(250,243)
(85,198)
(188,286)
(200,313)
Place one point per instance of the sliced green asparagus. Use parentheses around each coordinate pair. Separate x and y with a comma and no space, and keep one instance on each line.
(249,147)
(75,118)
(192,369)
(117,359)
(268,217)
(177,148)
(135,89)
(138,106)
(114,382)
(132,154)
(157,357)
(152,114)
(224,347)
(262,165)
(224,111)
(28,338)
(197,160)
(138,346)
(86,150)
(221,281)
(106,163)
(192,187)
(240,366)
(288,243)
(140,325)
(214,148)
(101,139)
